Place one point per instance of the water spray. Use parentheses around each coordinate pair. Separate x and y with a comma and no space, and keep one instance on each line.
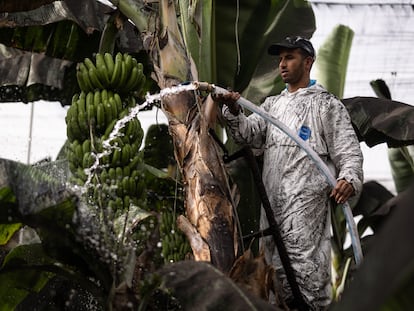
(356,244)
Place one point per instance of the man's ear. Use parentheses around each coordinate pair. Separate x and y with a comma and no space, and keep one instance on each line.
(309,62)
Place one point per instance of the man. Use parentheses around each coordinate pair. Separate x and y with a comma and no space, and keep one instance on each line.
(298,192)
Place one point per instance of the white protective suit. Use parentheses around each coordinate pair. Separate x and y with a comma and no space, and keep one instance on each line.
(298,192)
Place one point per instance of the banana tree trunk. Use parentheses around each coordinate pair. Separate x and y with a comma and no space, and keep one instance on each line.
(209,223)
(209,220)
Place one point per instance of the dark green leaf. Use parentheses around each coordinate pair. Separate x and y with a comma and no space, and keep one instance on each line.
(200,286)
(380,88)
(386,273)
(260,23)
(378,120)
(15,283)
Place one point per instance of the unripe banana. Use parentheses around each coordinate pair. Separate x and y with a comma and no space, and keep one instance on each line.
(104,177)
(89,63)
(89,99)
(77,147)
(74,161)
(109,63)
(104,95)
(87,160)
(109,129)
(102,70)
(116,75)
(128,61)
(112,174)
(86,146)
(140,187)
(113,106)
(119,173)
(108,112)
(73,122)
(118,142)
(126,154)
(132,187)
(140,84)
(119,203)
(135,174)
(69,132)
(91,113)
(80,173)
(116,157)
(131,102)
(130,129)
(135,148)
(75,97)
(132,80)
(127,202)
(133,164)
(112,205)
(100,117)
(118,101)
(97,99)
(85,76)
(127,171)
(125,185)
(96,83)
(81,82)
(122,80)
(82,118)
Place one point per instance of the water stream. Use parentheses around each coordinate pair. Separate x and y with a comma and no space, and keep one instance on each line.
(109,147)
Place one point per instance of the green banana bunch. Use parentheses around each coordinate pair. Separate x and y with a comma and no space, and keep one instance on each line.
(91,118)
(107,84)
(174,246)
(122,74)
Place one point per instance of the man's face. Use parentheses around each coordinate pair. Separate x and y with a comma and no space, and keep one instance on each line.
(292,65)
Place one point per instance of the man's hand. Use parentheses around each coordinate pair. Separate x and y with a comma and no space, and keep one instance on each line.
(342,191)
(230,100)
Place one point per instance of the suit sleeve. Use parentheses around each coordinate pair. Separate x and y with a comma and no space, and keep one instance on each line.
(249,130)
(343,145)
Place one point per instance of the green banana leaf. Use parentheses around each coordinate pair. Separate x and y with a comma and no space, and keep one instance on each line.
(332,59)
(16,283)
(380,88)
(46,40)
(380,120)
(200,286)
(401,158)
(242,60)
(385,279)
(37,197)
(197,21)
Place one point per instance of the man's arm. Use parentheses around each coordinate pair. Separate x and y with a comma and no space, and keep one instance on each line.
(344,150)
(244,130)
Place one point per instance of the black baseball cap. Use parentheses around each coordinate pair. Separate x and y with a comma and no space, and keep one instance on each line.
(292,43)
